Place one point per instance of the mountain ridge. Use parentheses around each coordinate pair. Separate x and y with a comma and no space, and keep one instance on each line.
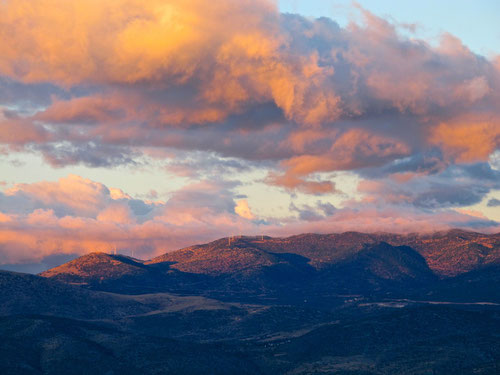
(324,249)
(291,267)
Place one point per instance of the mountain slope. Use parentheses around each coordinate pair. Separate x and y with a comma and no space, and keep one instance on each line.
(447,253)
(218,258)
(415,340)
(30,294)
(456,251)
(481,285)
(113,273)
(53,345)
(96,267)
(377,268)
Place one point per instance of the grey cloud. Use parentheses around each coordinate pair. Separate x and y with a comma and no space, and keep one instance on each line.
(327,208)
(216,196)
(307,213)
(429,163)
(446,195)
(139,208)
(91,154)
(455,186)
(206,165)
(493,202)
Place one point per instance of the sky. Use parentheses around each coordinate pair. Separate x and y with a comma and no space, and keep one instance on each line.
(474,22)
(150,127)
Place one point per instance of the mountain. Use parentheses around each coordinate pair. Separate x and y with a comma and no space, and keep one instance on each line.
(248,267)
(475,286)
(377,268)
(293,267)
(22,294)
(30,294)
(415,340)
(53,345)
(447,253)
(107,272)
(219,257)
(97,267)
(348,303)
(456,251)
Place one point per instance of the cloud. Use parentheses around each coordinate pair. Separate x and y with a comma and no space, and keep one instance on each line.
(292,182)
(125,76)
(468,141)
(116,214)
(84,110)
(205,165)
(454,186)
(243,209)
(493,202)
(72,195)
(91,154)
(389,218)
(17,131)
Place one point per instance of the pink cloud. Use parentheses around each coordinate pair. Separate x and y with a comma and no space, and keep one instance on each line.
(468,138)
(79,195)
(116,213)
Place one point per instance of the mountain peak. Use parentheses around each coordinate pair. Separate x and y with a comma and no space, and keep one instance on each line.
(222,256)
(95,266)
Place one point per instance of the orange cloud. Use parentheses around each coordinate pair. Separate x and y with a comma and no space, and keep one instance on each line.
(119,41)
(163,44)
(77,215)
(92,109)
(17,131)
(292,182)
(302,139)
(116,213)
(243,209)
(354,148)
(74,192)
(467,139)
(474,213)
(373,190)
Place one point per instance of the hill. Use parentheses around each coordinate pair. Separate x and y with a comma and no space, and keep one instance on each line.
(30,294)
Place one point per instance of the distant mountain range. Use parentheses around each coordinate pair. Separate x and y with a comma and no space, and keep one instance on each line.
(347,263)
(349,303)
